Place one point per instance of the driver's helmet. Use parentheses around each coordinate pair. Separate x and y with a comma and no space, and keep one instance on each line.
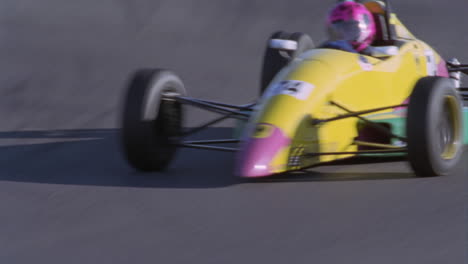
(352,22)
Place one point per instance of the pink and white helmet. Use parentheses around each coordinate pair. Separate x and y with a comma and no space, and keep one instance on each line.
(353,22)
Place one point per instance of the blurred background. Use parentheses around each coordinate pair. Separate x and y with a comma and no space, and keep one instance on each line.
(64,67)
(65,64)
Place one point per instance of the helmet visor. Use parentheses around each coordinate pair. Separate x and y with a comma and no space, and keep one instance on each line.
(350,30)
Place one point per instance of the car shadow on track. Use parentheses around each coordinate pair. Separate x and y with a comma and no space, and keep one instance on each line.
(311,176)
(93,157)
(323,174)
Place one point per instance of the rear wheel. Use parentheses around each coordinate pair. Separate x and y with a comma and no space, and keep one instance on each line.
(434,127)
(152,119)
(274,60)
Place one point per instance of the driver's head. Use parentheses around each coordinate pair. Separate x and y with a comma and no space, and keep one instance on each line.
(352,22)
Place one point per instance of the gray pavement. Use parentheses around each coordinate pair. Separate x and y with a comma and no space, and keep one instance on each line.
(67,196)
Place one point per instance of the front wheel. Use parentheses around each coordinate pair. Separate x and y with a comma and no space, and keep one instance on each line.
(434,127)
(151,119)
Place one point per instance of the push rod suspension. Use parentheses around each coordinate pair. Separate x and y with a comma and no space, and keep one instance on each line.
(355,114)
(207,142)
(384,151)
(247,107)
(210,107)
(207,124)
(196,146)
(375,125)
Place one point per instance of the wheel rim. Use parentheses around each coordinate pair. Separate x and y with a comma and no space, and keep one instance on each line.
(168,101)
(449,128)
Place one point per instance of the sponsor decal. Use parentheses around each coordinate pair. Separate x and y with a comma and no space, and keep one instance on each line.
(430,62)
(296,156)
(417,60)
(364,63)
(298,89)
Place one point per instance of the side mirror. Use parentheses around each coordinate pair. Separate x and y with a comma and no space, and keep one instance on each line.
(283,44)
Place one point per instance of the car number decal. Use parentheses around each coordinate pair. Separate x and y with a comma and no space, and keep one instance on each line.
(298,89)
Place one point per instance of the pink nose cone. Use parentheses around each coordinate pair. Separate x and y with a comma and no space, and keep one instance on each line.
(256,154)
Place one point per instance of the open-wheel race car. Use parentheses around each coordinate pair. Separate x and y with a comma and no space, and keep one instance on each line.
(317,105)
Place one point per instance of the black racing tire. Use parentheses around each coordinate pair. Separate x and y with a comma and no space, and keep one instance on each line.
(434,127)
(274,60)
(151,120)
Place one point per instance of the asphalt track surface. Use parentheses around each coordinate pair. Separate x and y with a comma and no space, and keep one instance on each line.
(67,196)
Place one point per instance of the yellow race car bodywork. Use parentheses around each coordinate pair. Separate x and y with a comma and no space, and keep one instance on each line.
(326,83)
(318,105)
